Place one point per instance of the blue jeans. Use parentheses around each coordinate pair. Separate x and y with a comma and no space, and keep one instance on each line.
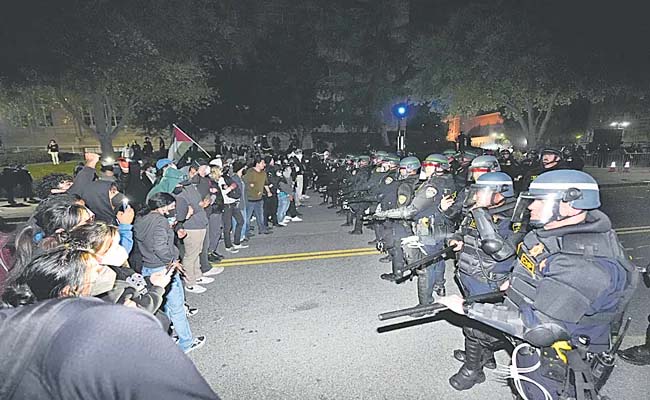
(174,307)
(283,206)
(256,208)
(244,228)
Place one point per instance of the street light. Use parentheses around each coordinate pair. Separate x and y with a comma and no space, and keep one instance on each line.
(620,125)
(400,111)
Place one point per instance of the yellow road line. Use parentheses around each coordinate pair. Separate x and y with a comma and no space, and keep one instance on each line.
(363,251)
(293,259)
(291,255)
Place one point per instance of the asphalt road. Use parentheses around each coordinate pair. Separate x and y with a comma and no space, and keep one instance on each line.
(306,327)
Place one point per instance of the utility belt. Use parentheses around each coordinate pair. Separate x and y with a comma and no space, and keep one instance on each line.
(582,373)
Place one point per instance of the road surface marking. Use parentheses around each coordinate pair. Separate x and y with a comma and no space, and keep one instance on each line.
(293,257)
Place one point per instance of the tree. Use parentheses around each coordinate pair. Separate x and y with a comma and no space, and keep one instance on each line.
(497,57)
(365,45)
(104,65)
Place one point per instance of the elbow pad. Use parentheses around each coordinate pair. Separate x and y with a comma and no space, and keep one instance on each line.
(545,334)
(407,212)
(491,241)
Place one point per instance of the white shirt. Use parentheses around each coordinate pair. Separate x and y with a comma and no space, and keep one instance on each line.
(226,199)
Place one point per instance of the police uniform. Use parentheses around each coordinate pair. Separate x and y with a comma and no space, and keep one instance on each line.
(568,289)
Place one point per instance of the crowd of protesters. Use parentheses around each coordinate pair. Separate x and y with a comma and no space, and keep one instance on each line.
(139,234)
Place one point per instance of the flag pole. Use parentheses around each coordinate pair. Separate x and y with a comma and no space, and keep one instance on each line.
(189,137)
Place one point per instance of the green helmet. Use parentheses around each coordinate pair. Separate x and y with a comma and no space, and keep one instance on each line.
(410,164)
(436,160)
(391,161)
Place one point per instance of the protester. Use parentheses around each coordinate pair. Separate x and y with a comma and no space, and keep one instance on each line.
(53,151)
(256,184)
(155,239)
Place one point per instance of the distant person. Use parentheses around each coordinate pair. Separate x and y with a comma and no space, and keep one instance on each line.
(161,145)
(147,147)
(53,151)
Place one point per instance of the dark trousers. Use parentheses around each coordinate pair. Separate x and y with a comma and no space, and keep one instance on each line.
(292,212)
(271,209)
(231,211)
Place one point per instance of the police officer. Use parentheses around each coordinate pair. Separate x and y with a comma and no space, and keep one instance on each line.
(509,165)
(570,284)
(409,171)
(551,160)
(486,243)
(432,227)
(387,196)
(452,205)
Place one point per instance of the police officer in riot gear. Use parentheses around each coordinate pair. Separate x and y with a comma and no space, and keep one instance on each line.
(486,242)
(551,160)
(570,284)
(452,206)
(409,169)
(387,196)
(432,227)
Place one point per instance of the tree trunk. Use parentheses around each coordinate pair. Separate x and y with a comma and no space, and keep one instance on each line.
(383,130)
(106,145)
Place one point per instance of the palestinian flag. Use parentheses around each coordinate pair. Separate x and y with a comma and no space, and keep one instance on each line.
(180,145)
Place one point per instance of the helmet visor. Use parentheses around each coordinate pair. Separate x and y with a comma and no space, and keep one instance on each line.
(537,209)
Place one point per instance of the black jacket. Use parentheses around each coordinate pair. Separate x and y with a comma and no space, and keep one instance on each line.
(155,240)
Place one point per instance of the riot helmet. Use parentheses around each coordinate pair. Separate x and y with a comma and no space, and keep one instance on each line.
(483,164)
(409,166)
(576,188)
(436,164)
(550,157)
(490,189)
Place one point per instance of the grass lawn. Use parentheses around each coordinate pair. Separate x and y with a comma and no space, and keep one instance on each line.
(40,170)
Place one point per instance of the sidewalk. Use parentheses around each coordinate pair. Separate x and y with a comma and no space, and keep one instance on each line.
(636,177)
(16,214)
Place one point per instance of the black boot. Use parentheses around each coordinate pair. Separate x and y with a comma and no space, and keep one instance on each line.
(638,355)
(390,277)
(487,359)
(471,373)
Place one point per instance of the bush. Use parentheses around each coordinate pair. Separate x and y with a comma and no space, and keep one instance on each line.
(32,157)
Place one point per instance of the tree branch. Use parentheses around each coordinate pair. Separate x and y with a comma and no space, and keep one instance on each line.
(70,108)
(518,117)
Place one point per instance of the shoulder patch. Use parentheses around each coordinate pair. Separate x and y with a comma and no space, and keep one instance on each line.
(388,180)
(401,199)
(516,227)
(430,192)
(537,249)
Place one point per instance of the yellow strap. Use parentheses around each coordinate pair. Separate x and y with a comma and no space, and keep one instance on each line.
(560,347)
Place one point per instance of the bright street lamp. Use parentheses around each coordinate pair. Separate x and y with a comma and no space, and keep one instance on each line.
(619,125)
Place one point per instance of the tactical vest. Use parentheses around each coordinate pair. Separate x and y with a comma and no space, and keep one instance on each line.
(473,261)
(430,220)
(589,253)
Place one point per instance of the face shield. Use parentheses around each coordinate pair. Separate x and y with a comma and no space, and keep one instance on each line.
(481,196)
(538,209)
